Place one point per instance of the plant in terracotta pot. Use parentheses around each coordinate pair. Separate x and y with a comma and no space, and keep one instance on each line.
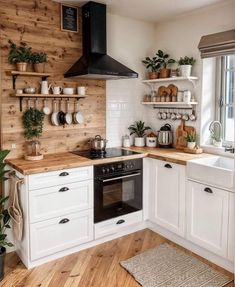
(153,65)
(191,140)
(186,64)
(19,55)
(139,129)
(4,215)
(33,125)
(39,60)
(165,62)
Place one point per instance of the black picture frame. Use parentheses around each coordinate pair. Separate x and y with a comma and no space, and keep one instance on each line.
(69,18)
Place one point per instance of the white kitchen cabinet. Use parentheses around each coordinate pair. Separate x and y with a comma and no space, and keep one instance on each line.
(231,227)
(57,234)
(207,213)
(167,201)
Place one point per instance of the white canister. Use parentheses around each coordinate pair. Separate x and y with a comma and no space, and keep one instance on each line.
(126,142)
(151,141)
(81,91)
(180,96)
(187,96)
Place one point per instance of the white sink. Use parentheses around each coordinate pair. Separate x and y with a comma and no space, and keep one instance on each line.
(217,171)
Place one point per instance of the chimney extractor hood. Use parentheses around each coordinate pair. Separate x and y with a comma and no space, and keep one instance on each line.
(95,63)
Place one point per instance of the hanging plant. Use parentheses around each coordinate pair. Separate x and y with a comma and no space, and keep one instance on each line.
(33,123)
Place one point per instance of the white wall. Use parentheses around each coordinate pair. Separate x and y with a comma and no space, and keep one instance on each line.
(129,41)
(181,36)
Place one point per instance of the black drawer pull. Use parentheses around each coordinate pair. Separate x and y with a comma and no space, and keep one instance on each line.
(209,190)
(64,174)
(63,189)
(120,221)
(65,220)
(168,165)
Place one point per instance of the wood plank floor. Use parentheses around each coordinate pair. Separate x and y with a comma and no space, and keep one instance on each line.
(94,267)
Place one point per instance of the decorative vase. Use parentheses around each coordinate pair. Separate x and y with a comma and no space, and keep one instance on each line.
(151,141)
(139,141)
(185,70)
(21,66)
(39,67)
(2,260)
(165,73)
(153,75)
(191,145)
(33,150)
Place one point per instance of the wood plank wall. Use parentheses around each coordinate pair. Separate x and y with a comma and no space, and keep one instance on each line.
(37,22)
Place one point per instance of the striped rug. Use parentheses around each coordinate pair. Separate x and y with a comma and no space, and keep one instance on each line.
(166,266)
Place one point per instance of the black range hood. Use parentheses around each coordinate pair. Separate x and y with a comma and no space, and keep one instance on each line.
(95,63)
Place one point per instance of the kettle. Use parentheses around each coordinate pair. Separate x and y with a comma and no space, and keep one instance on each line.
(165,136)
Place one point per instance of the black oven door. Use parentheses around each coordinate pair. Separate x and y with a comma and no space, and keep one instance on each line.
(117,195)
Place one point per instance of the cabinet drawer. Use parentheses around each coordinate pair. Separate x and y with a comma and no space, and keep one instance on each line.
(54,235)
(58,200)
(53,178)
(112,226)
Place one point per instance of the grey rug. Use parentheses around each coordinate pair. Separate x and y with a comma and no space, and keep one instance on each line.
(166,266)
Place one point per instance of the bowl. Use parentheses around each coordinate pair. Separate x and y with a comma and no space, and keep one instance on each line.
(68,91)
(29,90)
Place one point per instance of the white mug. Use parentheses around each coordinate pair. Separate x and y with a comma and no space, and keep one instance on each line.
(81,91)
(56,90)
(68,91)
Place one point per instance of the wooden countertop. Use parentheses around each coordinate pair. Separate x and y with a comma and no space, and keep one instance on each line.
(66,160)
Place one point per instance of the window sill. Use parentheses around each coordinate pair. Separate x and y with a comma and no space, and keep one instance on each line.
(216,150)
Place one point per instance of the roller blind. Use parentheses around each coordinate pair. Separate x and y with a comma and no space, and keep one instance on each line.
(218,44)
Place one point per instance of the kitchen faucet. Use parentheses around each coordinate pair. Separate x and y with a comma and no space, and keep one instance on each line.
(214,135)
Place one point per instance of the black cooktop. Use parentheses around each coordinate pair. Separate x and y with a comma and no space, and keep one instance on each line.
(109,153)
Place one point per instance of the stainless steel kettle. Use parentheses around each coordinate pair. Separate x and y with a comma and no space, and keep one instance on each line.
(165,136)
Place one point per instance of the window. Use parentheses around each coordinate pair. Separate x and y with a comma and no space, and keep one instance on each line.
(225,97)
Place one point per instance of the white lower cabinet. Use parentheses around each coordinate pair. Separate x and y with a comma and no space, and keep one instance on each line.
(54,235)
(167,200)
(207,217)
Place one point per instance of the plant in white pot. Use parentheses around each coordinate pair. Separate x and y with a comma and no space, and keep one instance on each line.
(139,129)
(4,215)
(191,140)
(186,64)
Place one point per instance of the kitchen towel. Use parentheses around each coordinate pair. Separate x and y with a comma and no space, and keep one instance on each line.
(167,266)
(14,207)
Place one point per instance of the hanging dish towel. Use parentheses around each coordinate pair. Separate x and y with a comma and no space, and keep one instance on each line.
(14,207)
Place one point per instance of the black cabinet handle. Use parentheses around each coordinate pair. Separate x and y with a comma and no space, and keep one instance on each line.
(168,165)
(64,220)
(120,221)
(209,190)
(63,189)
(64,174)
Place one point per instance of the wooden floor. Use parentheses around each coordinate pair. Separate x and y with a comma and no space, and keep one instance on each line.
(94,267)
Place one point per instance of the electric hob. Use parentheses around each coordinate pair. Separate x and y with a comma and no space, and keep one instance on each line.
(108,153)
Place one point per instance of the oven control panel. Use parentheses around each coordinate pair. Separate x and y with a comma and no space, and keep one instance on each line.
(116,167)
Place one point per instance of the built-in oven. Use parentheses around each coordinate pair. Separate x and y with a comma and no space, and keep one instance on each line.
(118,189)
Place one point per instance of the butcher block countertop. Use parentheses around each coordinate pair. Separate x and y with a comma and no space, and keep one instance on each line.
(59,161)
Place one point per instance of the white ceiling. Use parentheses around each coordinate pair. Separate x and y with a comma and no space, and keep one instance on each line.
(150,10)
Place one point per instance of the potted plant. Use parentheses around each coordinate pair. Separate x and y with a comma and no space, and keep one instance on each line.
(33,125)
(191,140)
(39,60)
(186,64)
(164,61)
(139,129)
(153,65)
(4,215)
(19,55)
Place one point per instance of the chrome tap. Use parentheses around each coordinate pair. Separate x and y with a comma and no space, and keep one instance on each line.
(230,149)
(217,137)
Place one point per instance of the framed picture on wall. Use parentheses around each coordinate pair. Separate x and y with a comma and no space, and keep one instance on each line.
(69,18)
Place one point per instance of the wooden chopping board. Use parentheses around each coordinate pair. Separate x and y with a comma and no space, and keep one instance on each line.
(181,133)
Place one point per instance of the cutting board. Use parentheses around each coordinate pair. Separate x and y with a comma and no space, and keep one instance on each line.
(181,133)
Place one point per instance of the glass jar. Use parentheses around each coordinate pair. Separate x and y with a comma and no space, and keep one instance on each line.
(33,148)
(126,141)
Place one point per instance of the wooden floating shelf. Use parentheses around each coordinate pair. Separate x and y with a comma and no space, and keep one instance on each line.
(33,74)
(48,96)
(171,79)
(177,105)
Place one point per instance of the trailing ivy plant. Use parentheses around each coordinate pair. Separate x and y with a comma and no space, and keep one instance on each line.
(37,58)
(21,53)
(33,123)
(138,128)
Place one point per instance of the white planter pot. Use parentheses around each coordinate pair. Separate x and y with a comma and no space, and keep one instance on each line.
(191,145)
(139,141)
(185,70)
(151,141)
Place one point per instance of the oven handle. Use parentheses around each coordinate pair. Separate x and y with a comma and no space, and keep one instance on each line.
(119,177)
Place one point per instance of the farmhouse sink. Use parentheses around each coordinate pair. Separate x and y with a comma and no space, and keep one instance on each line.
(217,171)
